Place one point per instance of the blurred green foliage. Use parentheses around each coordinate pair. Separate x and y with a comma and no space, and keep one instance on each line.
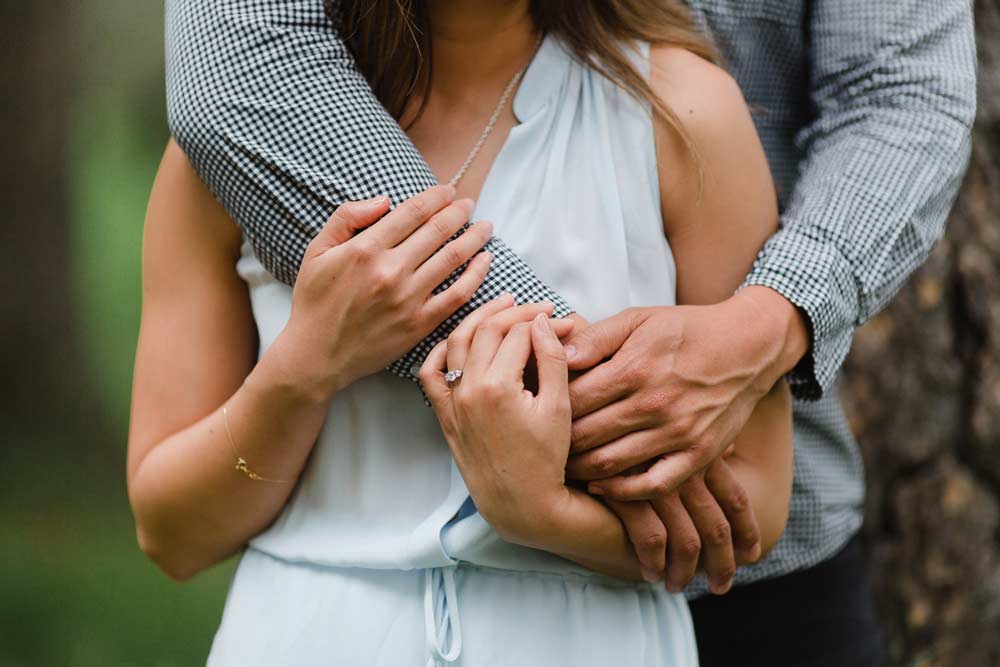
(75,591)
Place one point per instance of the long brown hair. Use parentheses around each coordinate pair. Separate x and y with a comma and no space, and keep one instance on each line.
(390,41)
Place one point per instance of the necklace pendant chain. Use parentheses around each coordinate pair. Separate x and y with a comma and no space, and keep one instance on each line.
(491,123)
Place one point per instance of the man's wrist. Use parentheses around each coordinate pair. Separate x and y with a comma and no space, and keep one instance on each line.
(785,324)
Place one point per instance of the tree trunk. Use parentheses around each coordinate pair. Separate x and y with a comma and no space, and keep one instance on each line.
(922,388)
(39,350)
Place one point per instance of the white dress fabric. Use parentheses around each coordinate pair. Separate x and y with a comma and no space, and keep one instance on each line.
(379,557)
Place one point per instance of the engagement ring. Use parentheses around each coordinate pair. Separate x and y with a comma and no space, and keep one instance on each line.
(451,376)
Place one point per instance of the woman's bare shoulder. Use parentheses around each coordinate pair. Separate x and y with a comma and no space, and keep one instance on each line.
(716,191)
(703,95)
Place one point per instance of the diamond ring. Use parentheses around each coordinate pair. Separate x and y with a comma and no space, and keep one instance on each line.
(451,376)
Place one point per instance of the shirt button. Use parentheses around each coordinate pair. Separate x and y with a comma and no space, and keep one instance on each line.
(414,370)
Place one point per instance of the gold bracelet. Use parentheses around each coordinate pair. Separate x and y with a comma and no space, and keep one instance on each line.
(241,463)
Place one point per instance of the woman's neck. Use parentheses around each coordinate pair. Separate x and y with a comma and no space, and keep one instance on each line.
(478,44)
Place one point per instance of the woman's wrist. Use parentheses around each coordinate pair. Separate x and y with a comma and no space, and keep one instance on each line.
(528,521)
(287,369)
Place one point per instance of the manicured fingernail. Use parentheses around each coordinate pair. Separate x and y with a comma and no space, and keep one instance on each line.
(542,320)
(570,352)
(378,199)
(651,576)
(595,490)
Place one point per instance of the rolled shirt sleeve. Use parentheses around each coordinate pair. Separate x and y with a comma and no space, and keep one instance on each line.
(893,88)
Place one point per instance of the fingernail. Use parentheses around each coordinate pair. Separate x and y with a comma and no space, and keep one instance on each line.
(450,189)
(672,587)
(543,321)
(378,199)
(570,352)
(651,576)
(595,490)
(487,256)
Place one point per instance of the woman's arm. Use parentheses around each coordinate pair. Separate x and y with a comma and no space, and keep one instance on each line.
(360,301)
(719,207)
(511,444)
(197,347)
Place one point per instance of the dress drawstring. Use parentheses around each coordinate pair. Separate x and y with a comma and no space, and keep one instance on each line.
(441,622)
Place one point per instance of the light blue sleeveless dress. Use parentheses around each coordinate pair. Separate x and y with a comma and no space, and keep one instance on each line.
(379,559)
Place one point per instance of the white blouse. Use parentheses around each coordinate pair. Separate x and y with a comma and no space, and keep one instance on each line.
(575,192)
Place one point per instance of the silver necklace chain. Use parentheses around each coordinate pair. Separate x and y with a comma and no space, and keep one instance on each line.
(491,123)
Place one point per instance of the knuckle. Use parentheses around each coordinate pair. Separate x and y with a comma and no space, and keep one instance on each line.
(440,226)
(552,355)
(457,340)
(384,277)
(720,534)
(703,452)
(362,248)
(603,464)
(419,208)
(493,327)
(630,374)
(451,256)
(739,499)
(459,293)
(689,547)
(683,425)
(417,319)
(650,404)
(463,399)
(659,486)
(653,541)
(491,389)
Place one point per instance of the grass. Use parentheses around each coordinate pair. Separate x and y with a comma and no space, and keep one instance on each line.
(77,592)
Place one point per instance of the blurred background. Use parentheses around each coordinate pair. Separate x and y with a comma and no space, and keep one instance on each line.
(81,92)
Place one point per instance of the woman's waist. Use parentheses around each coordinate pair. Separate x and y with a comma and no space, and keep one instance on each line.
(468,543)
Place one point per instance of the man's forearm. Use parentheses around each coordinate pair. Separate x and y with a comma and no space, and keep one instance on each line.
(264,98)
(895,94)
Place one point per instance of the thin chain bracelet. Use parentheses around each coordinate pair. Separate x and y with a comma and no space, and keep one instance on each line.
(241,463)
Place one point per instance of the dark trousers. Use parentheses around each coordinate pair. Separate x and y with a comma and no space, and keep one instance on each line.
(818,617)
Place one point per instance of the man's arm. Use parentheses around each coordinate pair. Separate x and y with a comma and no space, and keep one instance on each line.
(894,87)
(893,84)
(265,100)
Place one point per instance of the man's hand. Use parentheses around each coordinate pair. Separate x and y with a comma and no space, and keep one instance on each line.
(709,522)
(674,385)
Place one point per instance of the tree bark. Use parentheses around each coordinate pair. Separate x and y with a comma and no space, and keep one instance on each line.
(922,388)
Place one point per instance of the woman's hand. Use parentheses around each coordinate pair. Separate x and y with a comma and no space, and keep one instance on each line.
(509,443)
(361,301)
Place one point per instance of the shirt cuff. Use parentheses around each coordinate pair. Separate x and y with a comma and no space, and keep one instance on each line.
(816,278)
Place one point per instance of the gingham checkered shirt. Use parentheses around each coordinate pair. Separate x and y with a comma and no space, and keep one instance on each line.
(864,108)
